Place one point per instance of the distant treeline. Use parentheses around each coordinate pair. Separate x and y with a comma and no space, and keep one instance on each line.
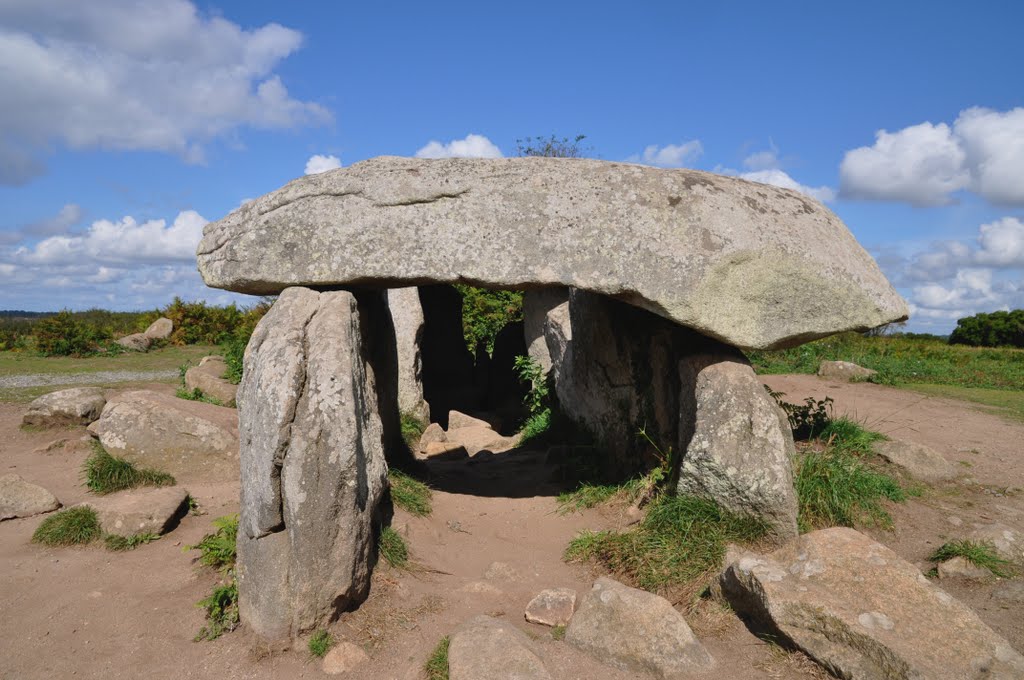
(68,333)
(995,329)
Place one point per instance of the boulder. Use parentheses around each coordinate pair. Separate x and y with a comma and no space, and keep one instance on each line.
(959,568)
(636,631)
(1007,541)
(537,304)
(160,329)
(457,420)
(342,658)
(553,607)
(919,461)
(844,370)
(19,498)
(737,442)
(485,647)
(141,511)
(433,434)
(407,317)
(75,406)
(160,431)
(753,265)
(136,342)
(558,335)
(864,613)
(444,451)
(208,378)
(312,459)
(477,439)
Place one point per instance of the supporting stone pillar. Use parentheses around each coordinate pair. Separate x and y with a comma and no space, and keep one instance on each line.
(537,305)
(407,316)
(313,459)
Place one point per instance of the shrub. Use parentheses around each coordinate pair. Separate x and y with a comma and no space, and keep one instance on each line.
(105,473)
(410,494)
(807,420)
(537,399)
(320,643)
(436,667)
(69,527)
(64,335)
(485,312)
(218,549)
(221,611)
(553,147)
(996,329)
(981,555)
(393,548)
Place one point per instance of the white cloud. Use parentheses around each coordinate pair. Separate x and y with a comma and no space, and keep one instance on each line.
(925,164)
(317,164)
(153,75)
(67,217)
(473,146)
(765,167)
(670,155)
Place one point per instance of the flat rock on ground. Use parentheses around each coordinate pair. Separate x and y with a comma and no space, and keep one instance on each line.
(844,370)
(140,511)
(958,567)
(343,658)
(208,378)
(920,461)
(19,498)
(863,612)
(552,607)
(74,406)
(485,648)
(636,630)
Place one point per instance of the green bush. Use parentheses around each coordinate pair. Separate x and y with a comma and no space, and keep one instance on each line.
(221,611)
(218,549)
(64,335)
(485,312)
(537,399)
(996,329)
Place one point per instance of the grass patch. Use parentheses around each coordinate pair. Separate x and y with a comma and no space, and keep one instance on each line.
(436,666)
(590,495)
(166,359)
(837,487)
(680,542)
(849,435)
(105,473)
(196,394)
(981,555)
(73,526)
(1000,402)
(221,611)
(218,549)
(558,633)
(320,643)
(393,548)
(410,494)
(535,427)
(123,543)
(412,430)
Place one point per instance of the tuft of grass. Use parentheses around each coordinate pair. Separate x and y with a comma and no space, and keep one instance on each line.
(320,643)
(105,473)
(680,542)
(73,526)
(849,435)
(218,549)
(536,427)
(410,494)
(836,487)
(221,611)
(122,543)
(980,554)
(436,666)
(558,633)
(196,394)
(412,429)
(393,548)
(589,495)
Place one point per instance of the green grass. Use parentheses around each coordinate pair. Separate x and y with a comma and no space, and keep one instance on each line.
(393,548)
(558,632)
(218,549)
(1001,402)
(221,611)
(849,435)
(105,473)
(73,526)
(410,494)
(122,543)
(838,487)
(536,427)
(436,666)
(320,643)
(901,360)
(979,554)
(589,495)
(412,430)
(165,359)
(197,395)
(680,542)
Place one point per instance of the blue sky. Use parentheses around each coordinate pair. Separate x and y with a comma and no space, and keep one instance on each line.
(126,124)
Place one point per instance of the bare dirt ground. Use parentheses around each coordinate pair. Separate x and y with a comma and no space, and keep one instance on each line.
(90,613)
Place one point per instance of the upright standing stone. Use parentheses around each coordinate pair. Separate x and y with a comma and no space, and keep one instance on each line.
(536,306)
(313,460)
(407,316)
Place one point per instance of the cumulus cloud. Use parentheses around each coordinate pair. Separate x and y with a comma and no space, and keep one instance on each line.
(670,155)
(67,217)
(473,146)
(154,75)
(317,164)
(925,164)
(766,167)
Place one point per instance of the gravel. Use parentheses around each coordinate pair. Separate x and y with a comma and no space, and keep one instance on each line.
(44,379)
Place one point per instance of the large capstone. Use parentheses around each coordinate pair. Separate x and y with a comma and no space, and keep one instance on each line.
(752,265)
(313,448)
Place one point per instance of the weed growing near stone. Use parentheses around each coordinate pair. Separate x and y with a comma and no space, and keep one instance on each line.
(849,435)
(412,429)
(218,549)
(122,543)
(589,495)
(393,548)
(436,667)
(105,473)
(196,394)
(537,399)
(839,487)
(410,494)
(320,643)
(221,611)
(979,554)
(680,542)
(69,527)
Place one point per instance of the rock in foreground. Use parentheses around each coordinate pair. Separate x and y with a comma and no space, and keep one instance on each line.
(752,265)
(75,406)
(553,607)
(918,460)
(485,648)
(864,613)
(19,498)
(636,630)
(140,511)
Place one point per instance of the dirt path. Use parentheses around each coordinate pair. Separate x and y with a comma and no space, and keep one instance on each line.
(89,613)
